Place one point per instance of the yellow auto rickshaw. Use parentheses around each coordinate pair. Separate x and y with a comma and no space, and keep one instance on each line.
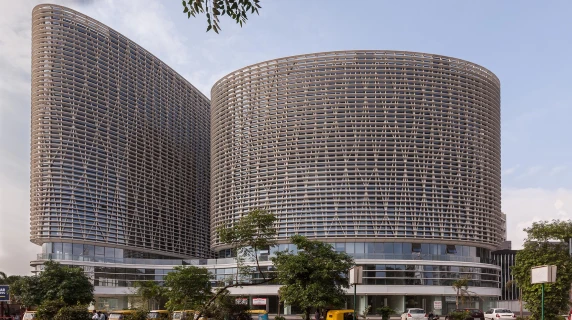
(339,314)
(120,314)
(262,314)
(158,314)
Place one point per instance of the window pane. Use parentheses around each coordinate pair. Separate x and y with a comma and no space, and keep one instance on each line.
(350,247)
(57,247)
(88,250)
(67,248)
(388,247)
(110,252)
(359,247)
(77,249)
(398,248)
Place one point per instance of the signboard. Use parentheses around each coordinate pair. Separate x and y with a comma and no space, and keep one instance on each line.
(543,274)
(450,299)
(241,301)
(356,275)
(437,305)
(258,301)
(4,293)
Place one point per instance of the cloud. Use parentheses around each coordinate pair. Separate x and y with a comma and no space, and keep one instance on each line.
(525,206)
(556,170)
(510,171)
(530,171)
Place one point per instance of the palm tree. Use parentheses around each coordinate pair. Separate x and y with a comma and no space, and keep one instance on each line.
(461,287)
(3,278)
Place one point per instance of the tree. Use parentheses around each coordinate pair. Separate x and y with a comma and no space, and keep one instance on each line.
(235,9)
(55,283)
(539,249)
(7,280)
(77,312)
(189,287)
(254,232)
(315,277)
(461,287)
(49,309)
(225,307)
(151,293)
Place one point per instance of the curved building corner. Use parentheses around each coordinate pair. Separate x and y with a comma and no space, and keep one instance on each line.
(120,146)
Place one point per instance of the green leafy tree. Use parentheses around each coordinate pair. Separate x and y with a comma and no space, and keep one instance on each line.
(237,10)
(49,309)
(458,315)
(27,291)
(152,294)
(254,232)
(189,287)
(8,280)
(540,249)
(77,312)
(314,277)
(385,312)
(225,307)
(55,283)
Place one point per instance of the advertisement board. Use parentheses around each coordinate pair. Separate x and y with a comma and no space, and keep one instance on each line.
(437,305)
(242,301)
(258,301)
(4,293)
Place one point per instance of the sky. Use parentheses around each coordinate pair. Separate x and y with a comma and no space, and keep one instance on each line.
(527,44)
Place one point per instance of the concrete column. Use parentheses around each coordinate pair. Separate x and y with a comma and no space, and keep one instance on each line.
(287,309)
(361,304)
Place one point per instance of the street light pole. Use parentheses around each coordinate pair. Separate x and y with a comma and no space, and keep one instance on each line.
(542,301)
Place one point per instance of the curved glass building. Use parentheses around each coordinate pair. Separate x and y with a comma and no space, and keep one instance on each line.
(390,156)
(120,146)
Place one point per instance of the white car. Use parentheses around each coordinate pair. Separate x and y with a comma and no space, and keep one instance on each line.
(414,314)
(499,313)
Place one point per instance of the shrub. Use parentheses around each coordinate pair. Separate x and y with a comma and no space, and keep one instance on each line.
(459,315)
(49,309)
(141,314)
(78,312)
(279,318)
(385,312)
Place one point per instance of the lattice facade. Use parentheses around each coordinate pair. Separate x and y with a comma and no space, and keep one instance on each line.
(120,142)
(378,145)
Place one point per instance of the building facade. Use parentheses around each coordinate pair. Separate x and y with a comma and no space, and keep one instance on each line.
(120,146)
(393,157)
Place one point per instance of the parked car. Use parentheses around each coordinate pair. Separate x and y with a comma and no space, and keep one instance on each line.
(414,314)
(499,313)
(472,314)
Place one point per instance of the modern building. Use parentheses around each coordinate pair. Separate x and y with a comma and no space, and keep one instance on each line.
(509,297)
(393,157)
(120,148)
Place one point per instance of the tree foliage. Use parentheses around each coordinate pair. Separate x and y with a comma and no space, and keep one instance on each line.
(237,10)
(550,230)
(537,251)
(140,314)
(189,287)
(253,232)
(56,283)
(151,293)
(225,307)
(77,312)
(49,309)
(314,277)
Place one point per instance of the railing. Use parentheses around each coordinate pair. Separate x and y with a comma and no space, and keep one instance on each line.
(262,258)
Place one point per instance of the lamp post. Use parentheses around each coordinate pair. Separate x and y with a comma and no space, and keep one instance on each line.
(542,275)
(356,277)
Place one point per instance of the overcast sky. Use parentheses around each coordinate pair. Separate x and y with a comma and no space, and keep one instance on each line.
(526,43)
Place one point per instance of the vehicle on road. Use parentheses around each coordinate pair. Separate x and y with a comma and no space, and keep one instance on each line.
(472,314)
(339,314)
(158,314)
(29,315)
(414,314)
(499,313)
(120,314)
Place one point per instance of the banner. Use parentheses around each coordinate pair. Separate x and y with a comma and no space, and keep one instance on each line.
(258,301)
(4,293)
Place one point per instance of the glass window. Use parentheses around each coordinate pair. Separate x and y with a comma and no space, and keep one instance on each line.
(451,249)
(350,247)
(67,248)
(425,248)
(77,249)
(398,248)
(99,251)
(416,247)
(57,247)
(110,252)
(466,251)
(340,246)
(118,253)
(378,247)
(369,248)
(388,247)
(434,249)
(88,250)
(359,247)
(407,248)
